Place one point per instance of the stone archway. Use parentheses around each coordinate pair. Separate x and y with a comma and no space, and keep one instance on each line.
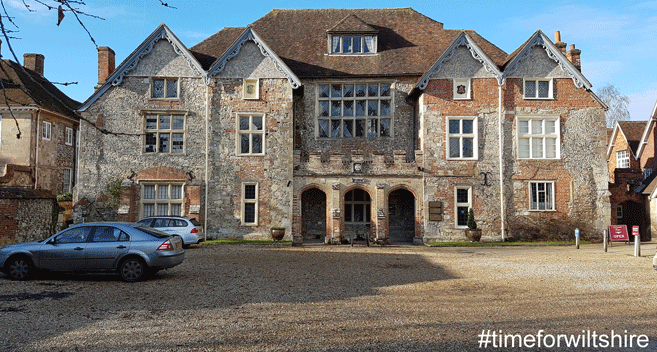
(313,215)
(401,216)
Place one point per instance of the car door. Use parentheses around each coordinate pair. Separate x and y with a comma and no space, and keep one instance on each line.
(66,251)
(107,244)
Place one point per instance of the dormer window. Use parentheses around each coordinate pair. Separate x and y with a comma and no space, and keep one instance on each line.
(353,44)
(352,36)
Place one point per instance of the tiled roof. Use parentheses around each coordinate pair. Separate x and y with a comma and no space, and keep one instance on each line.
(24,87)
(408,42)
(633,131)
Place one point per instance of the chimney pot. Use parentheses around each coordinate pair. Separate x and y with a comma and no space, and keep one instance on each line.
(572,46)
(34,62)
(105,64)
(557,36)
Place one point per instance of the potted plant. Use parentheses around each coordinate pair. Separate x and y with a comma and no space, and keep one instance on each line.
(472,233)
(277,233)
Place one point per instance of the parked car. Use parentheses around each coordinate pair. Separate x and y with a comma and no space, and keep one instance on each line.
(131,250)
(188,228)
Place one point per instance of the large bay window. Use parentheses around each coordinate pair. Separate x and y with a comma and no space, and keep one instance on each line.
(161,199)
(538,137)
(362,110)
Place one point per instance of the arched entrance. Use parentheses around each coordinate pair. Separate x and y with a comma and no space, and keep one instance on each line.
(634,213)
(313,215)
(401,216)
(357,213)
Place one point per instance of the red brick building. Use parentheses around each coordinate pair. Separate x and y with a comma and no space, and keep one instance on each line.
(339,122)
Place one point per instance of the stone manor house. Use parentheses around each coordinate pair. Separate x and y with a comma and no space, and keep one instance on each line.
(337,122)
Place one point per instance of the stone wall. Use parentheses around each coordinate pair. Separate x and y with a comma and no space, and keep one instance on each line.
(26,214)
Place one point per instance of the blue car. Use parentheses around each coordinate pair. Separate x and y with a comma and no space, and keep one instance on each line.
(132,250)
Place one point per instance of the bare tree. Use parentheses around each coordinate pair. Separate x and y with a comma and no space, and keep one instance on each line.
(617,104)
(9,28)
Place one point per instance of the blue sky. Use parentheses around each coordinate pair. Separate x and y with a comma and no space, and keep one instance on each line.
(618,39)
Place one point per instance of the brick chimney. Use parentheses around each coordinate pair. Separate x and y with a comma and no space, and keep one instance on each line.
(558,43)
(105,64)
(574,56)
(34,62)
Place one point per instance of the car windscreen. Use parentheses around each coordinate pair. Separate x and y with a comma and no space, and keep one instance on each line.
(153,232)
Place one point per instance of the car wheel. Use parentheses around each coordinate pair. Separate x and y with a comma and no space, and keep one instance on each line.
(19,268)
(132,269)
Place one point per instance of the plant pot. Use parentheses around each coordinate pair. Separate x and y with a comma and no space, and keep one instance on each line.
(473,235)
(277,233)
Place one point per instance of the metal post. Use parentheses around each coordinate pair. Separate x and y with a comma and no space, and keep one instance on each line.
(577,238)
(637,246)
(604,233)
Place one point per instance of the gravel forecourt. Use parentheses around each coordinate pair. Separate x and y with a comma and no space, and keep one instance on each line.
(343,298)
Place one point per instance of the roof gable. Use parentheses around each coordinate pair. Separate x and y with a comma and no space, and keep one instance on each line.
(539,38)
(631,132)
(652,123)
(463,40)
(249,35)
(352,24)
(131,62)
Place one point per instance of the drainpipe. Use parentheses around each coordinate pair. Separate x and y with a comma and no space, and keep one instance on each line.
(36,156)
(207,159)
(501,161)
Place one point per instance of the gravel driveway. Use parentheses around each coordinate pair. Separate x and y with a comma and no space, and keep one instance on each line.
(339,298)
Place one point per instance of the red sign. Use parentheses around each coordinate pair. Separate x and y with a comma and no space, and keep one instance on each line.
(618,233)
(635,231)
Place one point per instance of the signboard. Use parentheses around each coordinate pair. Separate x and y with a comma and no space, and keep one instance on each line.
(635,231)
(618,233)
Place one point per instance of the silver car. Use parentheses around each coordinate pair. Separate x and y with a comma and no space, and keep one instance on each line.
(188,228)
(132,250)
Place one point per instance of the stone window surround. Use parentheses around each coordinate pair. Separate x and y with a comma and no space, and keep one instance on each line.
(549,192)
(68,136)
(622,159)
(350,207)
(530,136)
(46,131)
(251,132)
(367,118)
(254,201)
(145,113)
(340,37)
(458,205)
(474,135)
(151,91)
(468,84)
(160,183)
(525,95)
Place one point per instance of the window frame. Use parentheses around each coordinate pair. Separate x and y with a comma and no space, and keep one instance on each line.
(165,89)
(46,131)
(468,86)
(536,88)
(155,201)
(351,205)
(647,172)
(531,136)
(474,135)
(67,182)
(552,195)
(251,132)
(623,158)
(356,101)
(362,36)
(246,83)
(68,136)
(160,131)
(458,205)
(253,201)
(619,211)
